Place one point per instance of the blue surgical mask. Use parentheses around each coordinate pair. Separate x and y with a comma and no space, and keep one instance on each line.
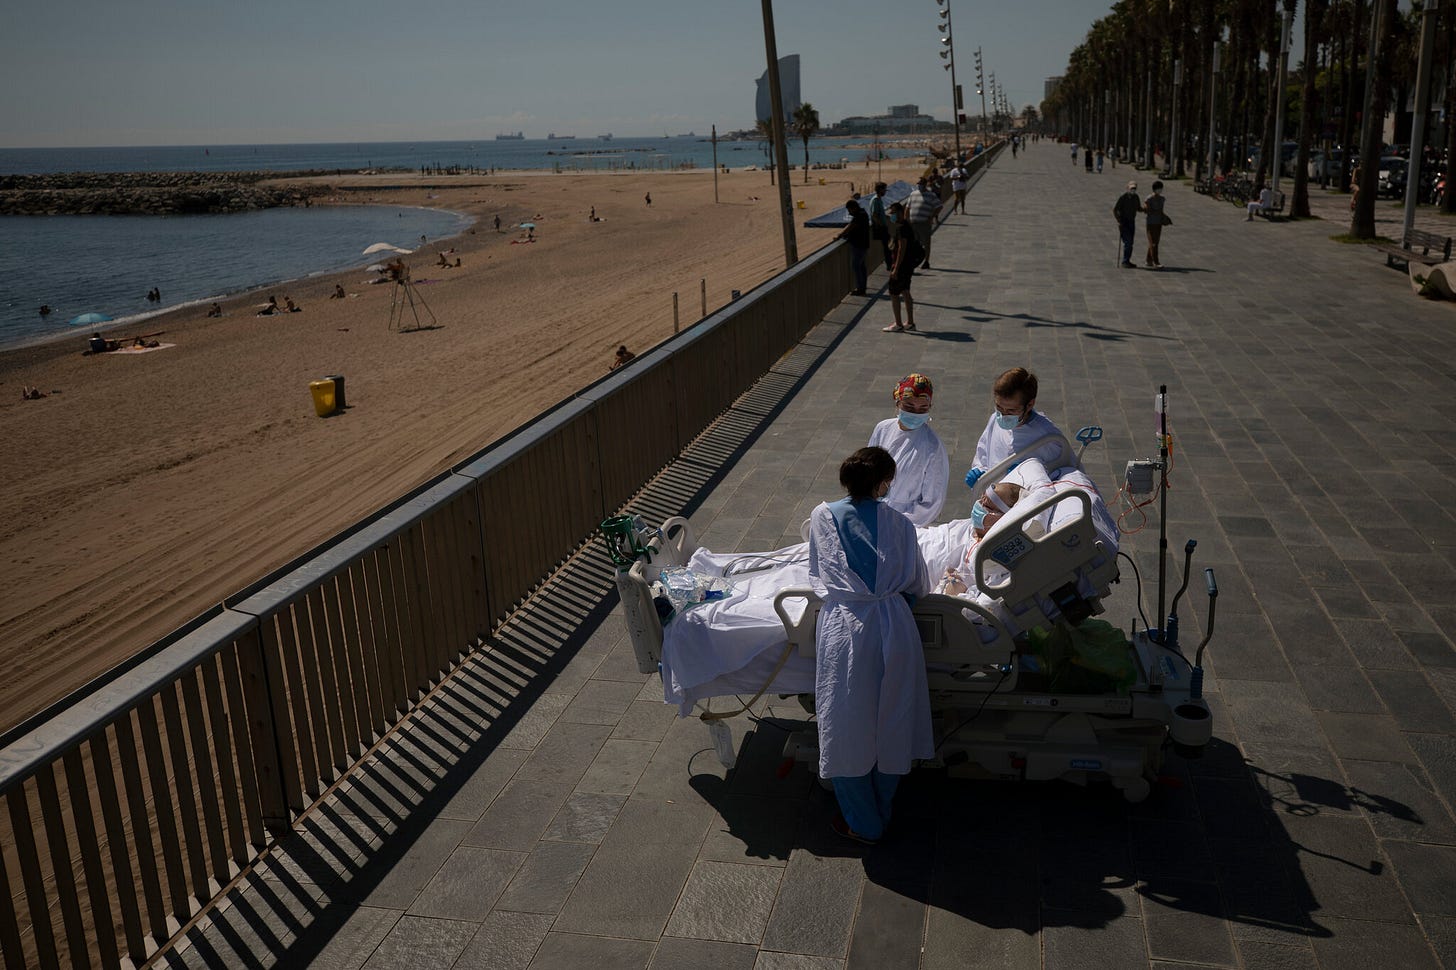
(978,516)
(1007,422)
(910,420)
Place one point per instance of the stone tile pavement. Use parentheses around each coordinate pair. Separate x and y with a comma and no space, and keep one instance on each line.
(545,810)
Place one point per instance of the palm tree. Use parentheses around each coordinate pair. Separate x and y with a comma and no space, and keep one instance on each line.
(1362,223)
(764,131)
(1315,32)
(805,124)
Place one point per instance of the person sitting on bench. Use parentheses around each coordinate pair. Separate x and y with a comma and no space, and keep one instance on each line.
(1263,204)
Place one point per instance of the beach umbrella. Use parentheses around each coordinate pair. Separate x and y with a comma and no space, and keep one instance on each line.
(383,247)
(527,225)
(86,319)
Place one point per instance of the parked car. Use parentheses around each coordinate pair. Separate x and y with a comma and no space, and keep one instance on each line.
(1322,166)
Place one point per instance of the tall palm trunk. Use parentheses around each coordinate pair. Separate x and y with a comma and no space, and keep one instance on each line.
(1314,15)
(1362,224)
(1448,12)
(1351,68)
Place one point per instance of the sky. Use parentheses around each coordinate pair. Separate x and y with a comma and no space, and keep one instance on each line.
(200,72)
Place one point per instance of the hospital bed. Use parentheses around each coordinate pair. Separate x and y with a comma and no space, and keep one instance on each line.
(993,713)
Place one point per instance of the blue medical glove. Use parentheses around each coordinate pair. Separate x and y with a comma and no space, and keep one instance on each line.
(973,476)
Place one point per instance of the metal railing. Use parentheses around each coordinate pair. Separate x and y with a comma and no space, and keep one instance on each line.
(131,805)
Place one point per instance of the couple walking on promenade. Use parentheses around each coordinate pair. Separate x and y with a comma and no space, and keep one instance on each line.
(1125,210)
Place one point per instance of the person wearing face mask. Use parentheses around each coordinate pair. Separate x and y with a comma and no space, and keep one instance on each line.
(986,511)
(1014,424)
(922,467)
(871,696)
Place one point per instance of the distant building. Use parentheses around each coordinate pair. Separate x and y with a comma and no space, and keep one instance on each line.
(1051,87)
(788,89)
(901,119)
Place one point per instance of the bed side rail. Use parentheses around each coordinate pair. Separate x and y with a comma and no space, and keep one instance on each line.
(1030,575)
(994,474)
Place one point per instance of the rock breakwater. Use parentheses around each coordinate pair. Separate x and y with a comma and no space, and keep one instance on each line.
(152,193)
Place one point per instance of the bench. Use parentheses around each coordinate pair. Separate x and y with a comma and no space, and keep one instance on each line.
(1276,205)
(1418,247)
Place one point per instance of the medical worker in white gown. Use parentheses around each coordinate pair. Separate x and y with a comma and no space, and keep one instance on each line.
(1014,424)
(871,696)
(922,468)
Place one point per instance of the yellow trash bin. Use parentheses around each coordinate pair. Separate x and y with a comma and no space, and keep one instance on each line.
(822,182)
(799,204)
(323,397)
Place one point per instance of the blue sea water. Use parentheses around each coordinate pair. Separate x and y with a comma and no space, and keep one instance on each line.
(585,153)
(106,264)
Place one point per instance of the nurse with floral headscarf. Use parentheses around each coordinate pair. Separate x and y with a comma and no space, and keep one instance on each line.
(922,468)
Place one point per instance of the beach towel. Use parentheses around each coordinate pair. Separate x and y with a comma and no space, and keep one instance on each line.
(136,350)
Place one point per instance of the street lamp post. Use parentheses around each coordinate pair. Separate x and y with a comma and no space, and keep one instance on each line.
(1148,124)
(948,55)
(1172,155)
(1279,99)
(781,152)
(1418,123)
(1212,101)
(981,89)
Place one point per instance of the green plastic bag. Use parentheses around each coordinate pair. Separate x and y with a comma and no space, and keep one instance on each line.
(1090,658)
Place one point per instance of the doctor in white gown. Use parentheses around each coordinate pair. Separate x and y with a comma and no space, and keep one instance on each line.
(871,695)
(1014,424)
(921,465)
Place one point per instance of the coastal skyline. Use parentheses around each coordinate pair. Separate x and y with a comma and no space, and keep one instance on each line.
(151,73)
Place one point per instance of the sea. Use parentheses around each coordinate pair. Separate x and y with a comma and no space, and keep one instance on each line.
(107,264)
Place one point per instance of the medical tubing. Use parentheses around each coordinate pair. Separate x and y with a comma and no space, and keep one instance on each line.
(761,563)
(709,716)
(1011,660)
(1139,578)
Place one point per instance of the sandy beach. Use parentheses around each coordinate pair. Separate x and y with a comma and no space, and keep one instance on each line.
(146,487)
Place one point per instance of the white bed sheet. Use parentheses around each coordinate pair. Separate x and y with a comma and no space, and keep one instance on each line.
(731,646)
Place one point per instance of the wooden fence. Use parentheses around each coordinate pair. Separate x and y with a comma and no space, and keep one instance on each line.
(130,806)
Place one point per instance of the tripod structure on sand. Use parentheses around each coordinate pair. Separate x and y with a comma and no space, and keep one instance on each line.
(406,297)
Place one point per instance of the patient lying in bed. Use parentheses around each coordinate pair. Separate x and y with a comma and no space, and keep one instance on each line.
(733,645)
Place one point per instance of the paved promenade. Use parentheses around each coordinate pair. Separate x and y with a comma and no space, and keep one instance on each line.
(546,810)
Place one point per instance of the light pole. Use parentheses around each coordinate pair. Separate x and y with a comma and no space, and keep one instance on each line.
(1279,99)
(981,88)
(1173,152)
(948,55)
(781,152)
(1418,123)
(1148,125)
(1212,96)
(1106,106)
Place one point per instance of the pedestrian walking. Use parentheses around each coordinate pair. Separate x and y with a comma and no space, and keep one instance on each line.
(1125,211)
(921,208)
(959,182)
(1157,219)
